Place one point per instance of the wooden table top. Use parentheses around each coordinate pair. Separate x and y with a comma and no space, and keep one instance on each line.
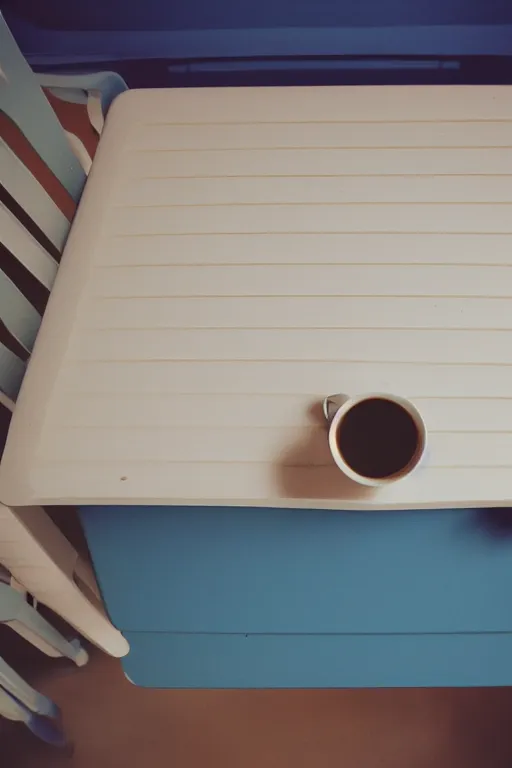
(238,255)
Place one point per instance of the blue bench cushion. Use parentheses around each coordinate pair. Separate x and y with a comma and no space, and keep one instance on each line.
(174,660)
(244,570)
(301,598)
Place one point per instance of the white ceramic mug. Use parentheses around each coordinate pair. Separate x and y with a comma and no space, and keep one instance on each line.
(396,439)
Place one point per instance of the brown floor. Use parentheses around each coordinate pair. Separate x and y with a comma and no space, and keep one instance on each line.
(113,723)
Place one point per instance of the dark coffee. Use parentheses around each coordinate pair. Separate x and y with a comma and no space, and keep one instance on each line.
(377,438)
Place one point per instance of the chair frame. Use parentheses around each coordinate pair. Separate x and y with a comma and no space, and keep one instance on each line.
(34,550)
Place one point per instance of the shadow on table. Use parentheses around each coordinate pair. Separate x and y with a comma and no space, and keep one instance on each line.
(307,470)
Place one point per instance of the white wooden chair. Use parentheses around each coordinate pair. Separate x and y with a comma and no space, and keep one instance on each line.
(33,231)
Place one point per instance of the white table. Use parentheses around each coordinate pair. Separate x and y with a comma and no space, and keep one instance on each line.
(238,254)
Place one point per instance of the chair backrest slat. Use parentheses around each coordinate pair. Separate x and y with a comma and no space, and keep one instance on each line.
(33,229)
(24,188)
(41,181)
(23,101)
(12,370)
(18,315)
(26,249)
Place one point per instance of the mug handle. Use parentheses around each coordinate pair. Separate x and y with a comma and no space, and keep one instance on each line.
(332,404)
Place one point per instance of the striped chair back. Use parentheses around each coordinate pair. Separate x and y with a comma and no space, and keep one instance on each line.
(33,228)
(40,184)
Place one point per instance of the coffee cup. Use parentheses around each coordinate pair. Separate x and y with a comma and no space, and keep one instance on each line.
(375,439)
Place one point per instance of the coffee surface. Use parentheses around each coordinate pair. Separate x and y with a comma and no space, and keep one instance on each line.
(377,438)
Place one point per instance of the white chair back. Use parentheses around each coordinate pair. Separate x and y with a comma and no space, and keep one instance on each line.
(33,229)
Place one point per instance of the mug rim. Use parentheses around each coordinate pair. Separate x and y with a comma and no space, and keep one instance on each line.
(419,452)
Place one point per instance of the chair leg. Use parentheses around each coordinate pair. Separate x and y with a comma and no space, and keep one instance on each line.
(45,728)
(33,639)
(42,559)
(30,623)
(16,685)
(24,619)
(10,708)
